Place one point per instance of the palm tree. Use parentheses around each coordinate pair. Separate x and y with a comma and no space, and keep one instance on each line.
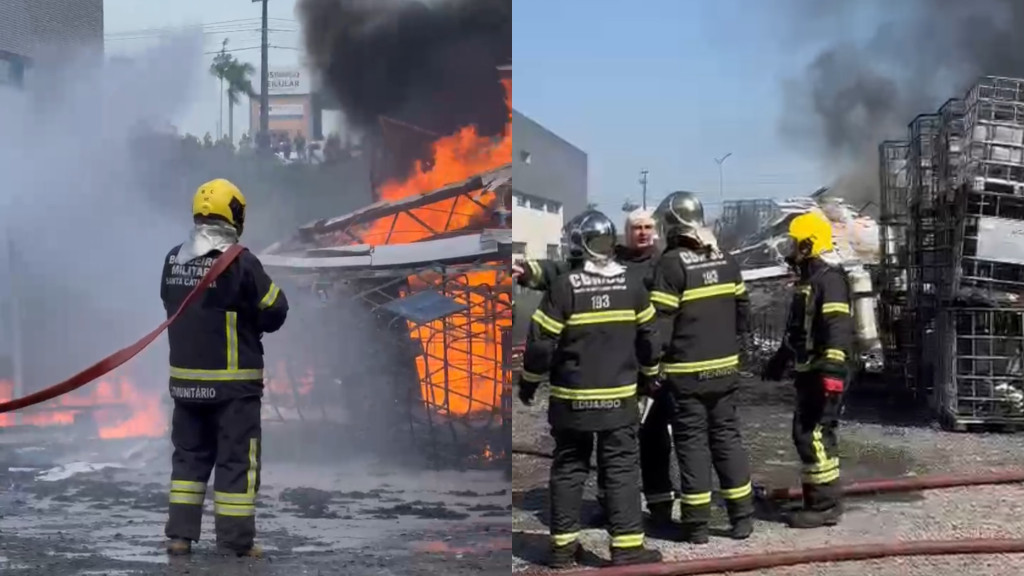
(238,77)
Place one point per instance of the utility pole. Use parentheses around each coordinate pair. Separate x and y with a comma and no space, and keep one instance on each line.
(643,188)
(264,137)
(721,176)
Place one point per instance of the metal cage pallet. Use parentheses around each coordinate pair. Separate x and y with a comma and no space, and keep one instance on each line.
(981,369)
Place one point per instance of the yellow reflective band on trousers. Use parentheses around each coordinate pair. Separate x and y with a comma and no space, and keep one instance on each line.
(602,317)
(188,493)
(270,297)
(835,308)
(691,294)
(560,540)
(531,377)
(547,322)
(835,354)
(650,370)
(665,299)
(738,493)
(660,498)
(647,315)
(594,393)
(704,366)
(240,504)
(628,541)
(232,372)
(698,499)
(825,469)
(831,355)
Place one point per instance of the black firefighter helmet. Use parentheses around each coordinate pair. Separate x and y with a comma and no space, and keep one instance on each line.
(679,214)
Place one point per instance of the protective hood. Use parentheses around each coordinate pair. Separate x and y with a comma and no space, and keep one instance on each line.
(608,269)
(206,238)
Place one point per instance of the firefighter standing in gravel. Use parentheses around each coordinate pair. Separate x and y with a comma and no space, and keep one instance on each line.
(216,357)
(819,337)
(639,255)
(591,336)
(703,308)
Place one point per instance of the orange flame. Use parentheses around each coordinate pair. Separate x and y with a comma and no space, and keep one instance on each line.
(461,367)
(117,407)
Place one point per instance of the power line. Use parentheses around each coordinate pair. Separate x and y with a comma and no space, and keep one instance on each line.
(251,48)
(205,33)
(208,25)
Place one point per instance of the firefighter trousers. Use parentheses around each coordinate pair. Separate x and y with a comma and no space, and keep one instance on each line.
(656,451)
(618,467)
(224,436)
(815,425)
(706,433)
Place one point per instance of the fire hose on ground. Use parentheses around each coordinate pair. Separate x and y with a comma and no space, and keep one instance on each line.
(125,354)
(766,560)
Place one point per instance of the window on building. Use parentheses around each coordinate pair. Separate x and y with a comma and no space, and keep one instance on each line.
(553,207)
(519,247)
(520,200)
(525,157)
(554,252)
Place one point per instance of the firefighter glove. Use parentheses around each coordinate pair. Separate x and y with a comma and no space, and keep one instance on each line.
(775,369)
(832,385)
(527,390)
(648,385)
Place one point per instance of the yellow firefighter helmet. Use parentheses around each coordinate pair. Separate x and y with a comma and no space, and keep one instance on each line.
(811,233)
(220,199)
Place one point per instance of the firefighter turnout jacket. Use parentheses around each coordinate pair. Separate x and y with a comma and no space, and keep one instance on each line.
(592,335)
(216,351)
(820,330)
(695,290)
(538,274)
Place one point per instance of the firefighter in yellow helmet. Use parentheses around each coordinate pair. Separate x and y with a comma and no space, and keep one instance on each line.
(818,342)
(217,374)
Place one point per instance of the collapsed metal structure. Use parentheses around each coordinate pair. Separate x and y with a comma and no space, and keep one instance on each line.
(952,265)
(408,306)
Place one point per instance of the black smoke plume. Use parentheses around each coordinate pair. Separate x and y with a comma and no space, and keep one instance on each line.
(430,64)
(919,53)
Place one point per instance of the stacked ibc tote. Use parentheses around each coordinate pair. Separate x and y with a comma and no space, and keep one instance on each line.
(964,257)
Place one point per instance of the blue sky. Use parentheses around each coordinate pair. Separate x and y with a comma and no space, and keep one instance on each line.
(666,85)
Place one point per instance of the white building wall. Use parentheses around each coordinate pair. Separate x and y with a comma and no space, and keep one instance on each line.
(536,227)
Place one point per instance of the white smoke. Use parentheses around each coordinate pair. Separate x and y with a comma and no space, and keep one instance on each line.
(88,238)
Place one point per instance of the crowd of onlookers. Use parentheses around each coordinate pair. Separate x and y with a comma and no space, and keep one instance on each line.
(290,148)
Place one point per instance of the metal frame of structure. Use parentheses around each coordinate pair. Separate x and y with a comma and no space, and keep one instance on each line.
(394,290)
(893,224)
(964,308)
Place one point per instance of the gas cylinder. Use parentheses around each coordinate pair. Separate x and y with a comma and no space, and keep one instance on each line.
(863,299)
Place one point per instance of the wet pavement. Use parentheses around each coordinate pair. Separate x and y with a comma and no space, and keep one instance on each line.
(97,508)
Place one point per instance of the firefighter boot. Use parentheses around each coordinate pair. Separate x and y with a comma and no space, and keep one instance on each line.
(741,528)
(694,532)
(567,556)
(661,513)
(179,547)
(807,518)
(253,551)
(634,555)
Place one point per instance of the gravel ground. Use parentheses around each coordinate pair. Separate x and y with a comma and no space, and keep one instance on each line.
(361,517)
(870,450)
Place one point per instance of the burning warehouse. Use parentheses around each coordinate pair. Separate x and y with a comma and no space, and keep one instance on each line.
(952,273)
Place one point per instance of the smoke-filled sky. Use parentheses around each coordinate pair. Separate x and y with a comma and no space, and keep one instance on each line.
(795,89)
(908,58)
(432,64)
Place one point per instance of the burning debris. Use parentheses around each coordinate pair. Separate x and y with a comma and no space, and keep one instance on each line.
(423,276)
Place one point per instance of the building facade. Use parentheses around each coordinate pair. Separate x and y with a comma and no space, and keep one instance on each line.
(537,226)
(545,165)
(291,104)
(30,29)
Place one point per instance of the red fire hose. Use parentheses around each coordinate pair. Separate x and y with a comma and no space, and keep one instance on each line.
(752,562)
(125,354)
